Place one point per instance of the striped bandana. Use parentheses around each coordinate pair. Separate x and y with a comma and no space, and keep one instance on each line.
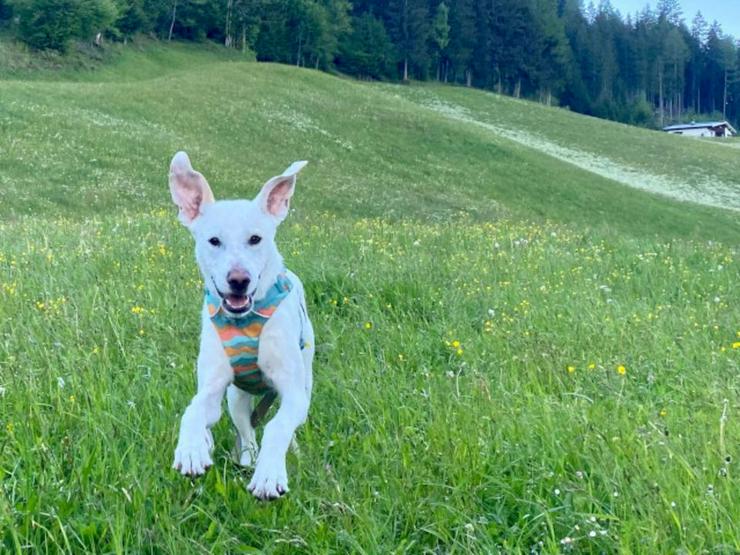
(240,337)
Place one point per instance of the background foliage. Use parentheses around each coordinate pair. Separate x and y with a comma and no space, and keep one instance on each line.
(651,68)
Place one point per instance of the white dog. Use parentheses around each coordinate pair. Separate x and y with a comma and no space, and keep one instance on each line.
(256,337)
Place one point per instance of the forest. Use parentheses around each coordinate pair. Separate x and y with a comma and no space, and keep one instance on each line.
(651,68)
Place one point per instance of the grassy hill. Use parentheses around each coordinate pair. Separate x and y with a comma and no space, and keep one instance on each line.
(241,119)
(527,319)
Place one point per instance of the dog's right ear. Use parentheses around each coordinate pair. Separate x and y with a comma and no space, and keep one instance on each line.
(189,189)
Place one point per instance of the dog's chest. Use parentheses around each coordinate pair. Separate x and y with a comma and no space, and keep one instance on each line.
(240,337)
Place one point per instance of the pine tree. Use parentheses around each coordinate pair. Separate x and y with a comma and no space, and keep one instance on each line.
(367,50)
(670,11)
(720,62)
(440,34)
(408,23)
(555,54)
(699,32)
(462,39)
(576,94)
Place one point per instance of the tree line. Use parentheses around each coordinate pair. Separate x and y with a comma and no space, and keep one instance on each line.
(649,68)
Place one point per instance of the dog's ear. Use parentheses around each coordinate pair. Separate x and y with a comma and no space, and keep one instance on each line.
(189,189)
(274,198)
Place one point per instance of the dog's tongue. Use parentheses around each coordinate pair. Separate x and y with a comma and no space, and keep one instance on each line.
(238,302)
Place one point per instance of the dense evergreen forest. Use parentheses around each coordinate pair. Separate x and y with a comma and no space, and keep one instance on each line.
(651,68)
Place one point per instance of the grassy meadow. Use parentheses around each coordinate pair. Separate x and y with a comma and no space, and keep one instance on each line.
(514,354)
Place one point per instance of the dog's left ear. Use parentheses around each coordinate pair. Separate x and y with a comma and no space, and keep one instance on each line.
(274,198)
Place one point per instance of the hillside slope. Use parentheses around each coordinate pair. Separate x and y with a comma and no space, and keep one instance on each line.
(696,171)
(374,149)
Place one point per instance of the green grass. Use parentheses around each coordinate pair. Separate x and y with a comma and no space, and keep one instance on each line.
(473,301)
(140,58)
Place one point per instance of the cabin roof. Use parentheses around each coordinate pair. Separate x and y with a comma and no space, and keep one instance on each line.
(700,125)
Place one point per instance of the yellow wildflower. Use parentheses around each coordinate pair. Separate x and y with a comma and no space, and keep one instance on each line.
(621,370)
(368,325)
(137,310)
(571,369)
(736,345)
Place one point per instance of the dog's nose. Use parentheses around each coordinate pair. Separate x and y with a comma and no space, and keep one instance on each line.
(238,280)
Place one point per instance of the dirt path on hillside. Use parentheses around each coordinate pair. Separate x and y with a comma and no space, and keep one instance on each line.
(708,190)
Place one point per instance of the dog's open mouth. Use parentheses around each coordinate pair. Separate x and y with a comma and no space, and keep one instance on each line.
(237,304)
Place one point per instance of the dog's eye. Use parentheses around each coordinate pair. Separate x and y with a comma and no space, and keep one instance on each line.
(215,241)
(255,239)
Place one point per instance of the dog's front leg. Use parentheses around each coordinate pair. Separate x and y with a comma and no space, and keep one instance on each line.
(240,407)
(193,452)
(270,479)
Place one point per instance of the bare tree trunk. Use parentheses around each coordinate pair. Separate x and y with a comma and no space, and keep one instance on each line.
(518,88)
(300,46)
(405,69)
(698,99)
(677,95)
(244,38)
(661,104)
(172,25)
(227,27)
(468,77)
(724,100)
(447,69)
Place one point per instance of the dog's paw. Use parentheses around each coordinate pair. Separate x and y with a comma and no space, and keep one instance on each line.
(270,481)
(193,458)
